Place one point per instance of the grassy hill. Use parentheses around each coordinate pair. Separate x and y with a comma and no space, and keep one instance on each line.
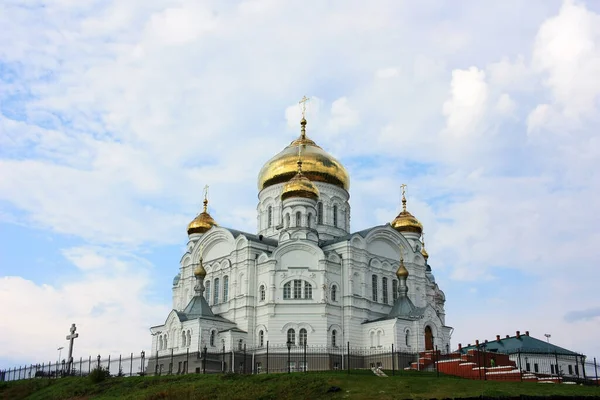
(314,386)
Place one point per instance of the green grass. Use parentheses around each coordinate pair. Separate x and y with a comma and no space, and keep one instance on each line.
(314,386)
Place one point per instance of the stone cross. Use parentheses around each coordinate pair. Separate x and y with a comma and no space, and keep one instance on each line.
(71,338)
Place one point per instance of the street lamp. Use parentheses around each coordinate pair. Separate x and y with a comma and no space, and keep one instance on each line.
(289,346)
(59,351)
(548,336)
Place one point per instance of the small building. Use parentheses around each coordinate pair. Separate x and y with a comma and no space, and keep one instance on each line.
(534,355)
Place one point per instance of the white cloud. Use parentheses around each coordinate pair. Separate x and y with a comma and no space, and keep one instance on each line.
(505,105)
(387,73)
(468,99)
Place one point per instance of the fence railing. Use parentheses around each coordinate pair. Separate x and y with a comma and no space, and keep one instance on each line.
(279,358)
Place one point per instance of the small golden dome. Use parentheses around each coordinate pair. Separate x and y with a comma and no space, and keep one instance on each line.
(405,221)
(202,223)
(424,253)
(300,186)
(318,165)
(199,271)
(402,271)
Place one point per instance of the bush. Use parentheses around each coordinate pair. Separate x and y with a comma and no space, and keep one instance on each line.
(99,374)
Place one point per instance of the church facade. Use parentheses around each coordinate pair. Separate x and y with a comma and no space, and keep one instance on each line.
(304,278)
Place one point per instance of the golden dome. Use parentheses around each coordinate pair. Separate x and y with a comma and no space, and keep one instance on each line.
(317,164)
(424,253)
(402,271)
(199,271)
(202,223)
(300,186)
(405,221)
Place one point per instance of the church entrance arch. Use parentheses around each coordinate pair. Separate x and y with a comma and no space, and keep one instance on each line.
(428,338)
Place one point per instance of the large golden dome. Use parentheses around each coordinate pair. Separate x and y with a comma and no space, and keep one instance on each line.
(300,186)
(202,223)
(405,221)
(317,165)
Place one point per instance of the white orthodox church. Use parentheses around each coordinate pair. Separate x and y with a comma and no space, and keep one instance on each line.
(304,278)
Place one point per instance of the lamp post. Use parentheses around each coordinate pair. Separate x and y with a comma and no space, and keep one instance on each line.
(59,351)
(548,336)
(289,347)
(143,356)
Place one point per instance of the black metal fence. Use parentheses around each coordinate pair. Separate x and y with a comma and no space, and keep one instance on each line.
(475,364)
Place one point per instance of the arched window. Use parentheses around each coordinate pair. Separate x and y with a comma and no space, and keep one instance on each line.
(291,336)
(183,339)
(335,216)
(166,342)
(319,213)
(270,216)
(262,292)
(287,220)
(261,338)
(344,219)
(308,220)
(287,290)
(384,289)
(216,292)
(394,289)
(406,337)
(212,338)
(379,339)
(225,288)
(298,218)
(159,344)
(333,338)
(334,293)
(207,291)
(189,338)
(372,336)
(303,335)
(373,283)
(307,291)
(241,344)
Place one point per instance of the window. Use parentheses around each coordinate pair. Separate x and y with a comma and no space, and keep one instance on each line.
(570,370)
(334,293)
(527,367)
(241,345)
(394,289)
(406,338)
(216,290)
(212,338)
(166,344)
(291,336)
(262,292)
(287,290)
(372,336)
(159,344)
(374,284)
(552,369)
(270,216)
(379,339)
(287,220)
(344,218)
(225,288)
(333,338)
(535,367)
(297,289)
(384,289)
(189,338)
(207,289)
(308,220)
(261,338)
(298,218)
(307,290)
(183,339)
(576,369)
(319,213)
(335,216)
(303,336)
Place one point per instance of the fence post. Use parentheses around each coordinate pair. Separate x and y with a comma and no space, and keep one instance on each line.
(520,368)
(305,355)
(223,360)
(348,357)
(437,362)
(244,358)
(583,367)
(131,365)
(393,361)
(171,366)
(204,360)
(267,356)
(108,365)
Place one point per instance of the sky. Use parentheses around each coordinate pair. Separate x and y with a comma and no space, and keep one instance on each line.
(115,114)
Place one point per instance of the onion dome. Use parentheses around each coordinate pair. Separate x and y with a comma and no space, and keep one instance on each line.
(199,271)
(203,222)
(300,186)
(318,165)
(405,221)
(402,271)
(424,252)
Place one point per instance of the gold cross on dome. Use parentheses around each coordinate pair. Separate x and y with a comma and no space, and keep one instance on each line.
(303,105)
(403,187)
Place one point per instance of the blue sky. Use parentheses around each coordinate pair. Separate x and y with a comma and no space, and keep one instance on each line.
(114,115)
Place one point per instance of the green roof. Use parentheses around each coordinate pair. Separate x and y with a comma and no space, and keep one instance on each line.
(523,344)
